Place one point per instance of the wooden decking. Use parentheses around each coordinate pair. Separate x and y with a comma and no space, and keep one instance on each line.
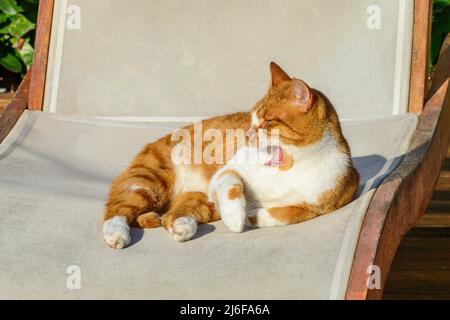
(5,98)
(421,268)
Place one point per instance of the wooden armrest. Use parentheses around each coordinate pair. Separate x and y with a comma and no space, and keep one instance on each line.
(15,108)
(442,72)
(403,197)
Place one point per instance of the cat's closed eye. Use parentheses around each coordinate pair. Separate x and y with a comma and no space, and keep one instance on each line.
(265,124)
(268,123)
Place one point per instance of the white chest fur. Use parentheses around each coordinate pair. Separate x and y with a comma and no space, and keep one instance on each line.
(316,170)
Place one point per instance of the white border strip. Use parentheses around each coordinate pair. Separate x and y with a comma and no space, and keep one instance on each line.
(399,57)
(349,243)
(58,56)
(155,119)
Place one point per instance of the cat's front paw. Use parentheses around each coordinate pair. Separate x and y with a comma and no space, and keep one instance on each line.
(116,232)
(183,229)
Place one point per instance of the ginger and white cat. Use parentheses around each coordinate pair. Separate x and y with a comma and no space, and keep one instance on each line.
(306,171)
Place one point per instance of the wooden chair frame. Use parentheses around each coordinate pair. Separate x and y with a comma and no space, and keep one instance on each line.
(402,197)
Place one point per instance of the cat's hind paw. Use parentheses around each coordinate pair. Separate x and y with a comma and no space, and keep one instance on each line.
(183,229)
(116,232)
(233,216)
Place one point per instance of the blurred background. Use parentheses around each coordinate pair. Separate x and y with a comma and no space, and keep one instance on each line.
(17,32)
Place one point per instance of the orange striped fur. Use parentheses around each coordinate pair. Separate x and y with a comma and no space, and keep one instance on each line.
(151,192)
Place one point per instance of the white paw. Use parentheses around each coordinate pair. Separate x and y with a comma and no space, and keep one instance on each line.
(183,229)
(117,232)
(233,216)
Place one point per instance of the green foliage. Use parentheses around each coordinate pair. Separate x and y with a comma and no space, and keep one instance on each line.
(17,25)
(441,27)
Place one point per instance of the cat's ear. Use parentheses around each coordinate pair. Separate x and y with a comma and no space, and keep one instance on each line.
(278,74)
(300,95)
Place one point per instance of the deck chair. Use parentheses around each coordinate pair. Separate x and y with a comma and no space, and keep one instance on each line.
(110,76)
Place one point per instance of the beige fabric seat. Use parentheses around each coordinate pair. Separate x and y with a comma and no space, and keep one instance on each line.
(54,176)
(114,64)
(179,59)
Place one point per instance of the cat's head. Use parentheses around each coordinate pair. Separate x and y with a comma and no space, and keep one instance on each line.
(291,109)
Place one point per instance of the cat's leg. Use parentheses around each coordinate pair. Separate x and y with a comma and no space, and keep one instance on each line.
(227,190)
(187,211)
(145,188)
(281,216)
(130,198)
